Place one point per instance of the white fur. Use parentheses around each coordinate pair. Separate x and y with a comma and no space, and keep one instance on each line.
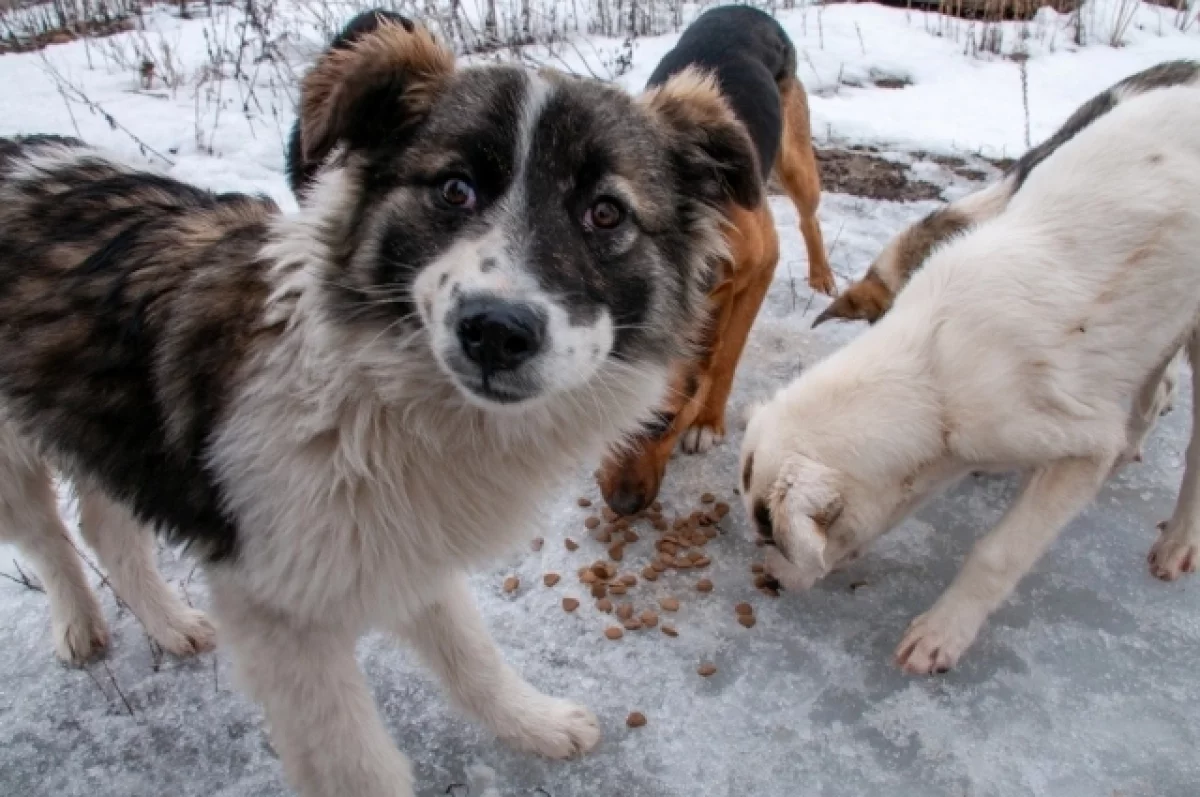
(1039,341)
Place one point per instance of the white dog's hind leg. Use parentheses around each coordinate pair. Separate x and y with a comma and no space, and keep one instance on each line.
(452,640)
(1152,401)
(1177,549)
(1051,497)
(126,551)
(29,519)
(320,715)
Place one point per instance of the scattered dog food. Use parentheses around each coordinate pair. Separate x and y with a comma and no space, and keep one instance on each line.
(629,580)
(707,670)
(633,624)
(571,545)
(704,585)
(670,631)
(584,502)
(636,720)
(707,498)
(669,604)
(650,574)
(599,591)
(747,620)
(550,579)
(511,584)
(625,611)
(649,619)
(743,609)
(604,605)
(569,605)
(614,632)
(592,523)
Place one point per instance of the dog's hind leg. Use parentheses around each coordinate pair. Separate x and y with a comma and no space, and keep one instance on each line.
(126,551)
(1152,400)
(30,520)
(796,165)
(452,640)
(1177,549)
(755,248)
(321,718)
(1050,498)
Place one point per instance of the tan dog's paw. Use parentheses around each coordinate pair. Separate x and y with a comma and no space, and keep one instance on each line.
(554,728)
(79,638)
(935,641)
(701,438)
(823,283)
(1172,555)
(186,633)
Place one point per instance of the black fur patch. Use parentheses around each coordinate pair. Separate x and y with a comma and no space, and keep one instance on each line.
(751,55)
(127,302)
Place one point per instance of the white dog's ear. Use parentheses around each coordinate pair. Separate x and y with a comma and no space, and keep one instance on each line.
(805,503)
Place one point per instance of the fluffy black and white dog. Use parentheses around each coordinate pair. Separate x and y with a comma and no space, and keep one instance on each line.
(343,411)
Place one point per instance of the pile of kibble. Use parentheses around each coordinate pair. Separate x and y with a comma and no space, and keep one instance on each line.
(678,553)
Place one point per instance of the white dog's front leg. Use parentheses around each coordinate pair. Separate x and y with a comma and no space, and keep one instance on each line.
(451,638)
(321,718)
(1051,497)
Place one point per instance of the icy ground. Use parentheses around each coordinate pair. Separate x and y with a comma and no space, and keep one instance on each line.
(1084,685)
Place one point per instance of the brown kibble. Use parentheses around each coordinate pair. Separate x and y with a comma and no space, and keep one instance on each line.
(762,580)
(682,563)
(617,589)
(669,604)
(610,570)
(592,523)
(584,502)
(600,571)
(695,556)
(707,498)
(636,720)
(704,585)
(625,611)
(721,510)
(744,609)
(604,536)
(622,524)
(633,624)
(599,590)
(703,561)
(604,605)
(537,543)
(608,514)
(747,620)
(649,619)
(631,537)
(550,579)
(670,631)
(707,520)
(658,566)
(629,580)
(711,533)
(757,568)
(588,577)
(617,551)
(650,574)
(707,670)
(511,584)
(570,604)
(571,545)
(614,632)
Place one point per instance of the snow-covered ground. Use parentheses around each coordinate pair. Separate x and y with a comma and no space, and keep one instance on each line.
(1085,684)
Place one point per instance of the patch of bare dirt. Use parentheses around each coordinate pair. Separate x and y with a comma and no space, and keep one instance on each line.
(860,172)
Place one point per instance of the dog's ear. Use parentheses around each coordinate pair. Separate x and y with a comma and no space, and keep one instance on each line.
(804,503)
(372,89)
(710,146)
(299,171)
(866,300)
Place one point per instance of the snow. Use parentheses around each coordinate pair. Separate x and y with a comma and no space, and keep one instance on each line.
(1084,684)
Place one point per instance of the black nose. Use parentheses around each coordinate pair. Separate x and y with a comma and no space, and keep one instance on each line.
(500,335)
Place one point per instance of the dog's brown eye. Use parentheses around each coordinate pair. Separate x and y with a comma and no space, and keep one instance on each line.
(605,214)
(458,193)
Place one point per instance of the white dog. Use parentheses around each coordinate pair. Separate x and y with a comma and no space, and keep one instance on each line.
(1036,341)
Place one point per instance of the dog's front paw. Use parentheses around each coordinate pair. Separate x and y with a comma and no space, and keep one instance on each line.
(823,282)
(80,637)
(553,728)
(185,633)
(935,641)
(1173,554)
(700,438)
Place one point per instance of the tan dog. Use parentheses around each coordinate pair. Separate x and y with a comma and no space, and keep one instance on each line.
(754,63)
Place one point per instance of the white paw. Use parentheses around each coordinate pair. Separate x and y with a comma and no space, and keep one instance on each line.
(80,637)
(552,728)
(699,439)
(185,632)
(1172,555)
(935,641)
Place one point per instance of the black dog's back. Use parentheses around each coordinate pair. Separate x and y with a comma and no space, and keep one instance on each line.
(751,56)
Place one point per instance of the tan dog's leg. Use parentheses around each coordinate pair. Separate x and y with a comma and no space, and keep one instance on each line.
(29,519)
(455,644)
(796,166)
(1177,550)
(1051,497)
(755,247)
(126,551)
